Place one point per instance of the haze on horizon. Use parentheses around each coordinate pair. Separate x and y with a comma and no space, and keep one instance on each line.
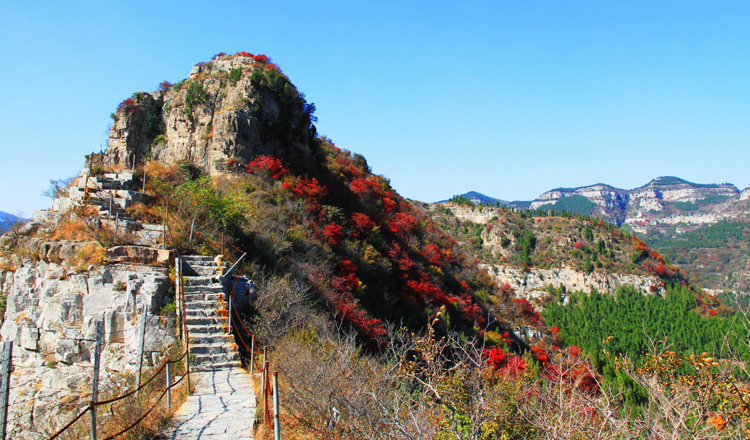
(508,99)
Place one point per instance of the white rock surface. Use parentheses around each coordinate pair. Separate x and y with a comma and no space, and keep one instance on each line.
(51,319)
(532,284)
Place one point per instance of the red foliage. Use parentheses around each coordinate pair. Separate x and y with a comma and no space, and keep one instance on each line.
(711,312)
(389,205)
(540,354)
(362,224)
(360,186)
(432,254)
(527,310)
(574,351)
(661,270)
(555,330)
(219,55)
(268,166)
(641,247)
(653,289)
(399,258)
(201,64)
(368,328)
(310,189)
(233,162)
(333,234)
(578,244)
(165,85)
(127,106)
(496,357)
(426,290)
(244,54)
(448,255)
(261,58)
(402,224)
(514,366)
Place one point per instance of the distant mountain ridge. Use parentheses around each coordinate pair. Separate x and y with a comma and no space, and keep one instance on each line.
(8,220)
(663,202)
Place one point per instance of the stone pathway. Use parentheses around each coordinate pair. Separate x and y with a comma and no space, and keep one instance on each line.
(223,404)
(222,407)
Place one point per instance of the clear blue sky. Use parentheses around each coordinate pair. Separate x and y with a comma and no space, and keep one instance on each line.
(509,98)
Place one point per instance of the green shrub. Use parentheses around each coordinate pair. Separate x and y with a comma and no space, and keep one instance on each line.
(235,75)
(159,140)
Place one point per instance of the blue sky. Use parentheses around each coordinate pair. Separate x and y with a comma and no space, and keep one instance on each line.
(509,98)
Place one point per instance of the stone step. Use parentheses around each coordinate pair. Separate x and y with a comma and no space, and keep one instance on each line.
(212,288)
(211,339)
(213,349)
(200,281)
(203,271)
(203,330)
(204,306)
(205,321)
(204,297)
(203,358)
(209,364)
(206,313)
(197,257)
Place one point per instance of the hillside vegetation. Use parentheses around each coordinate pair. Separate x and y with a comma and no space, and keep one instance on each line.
(366,302)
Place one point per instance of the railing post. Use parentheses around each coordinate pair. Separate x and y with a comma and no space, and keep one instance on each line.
(231,300)
(7,356)
(141,342)
(263,375)
(95,381)
(276,427)
(169,390)
(178,292)
(252,354)
(265,390)
(187,333)
(192,228)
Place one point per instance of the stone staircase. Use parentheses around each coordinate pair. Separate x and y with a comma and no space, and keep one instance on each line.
(111,194)
(211,344)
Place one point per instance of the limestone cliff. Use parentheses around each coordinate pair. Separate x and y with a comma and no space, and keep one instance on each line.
(51,317)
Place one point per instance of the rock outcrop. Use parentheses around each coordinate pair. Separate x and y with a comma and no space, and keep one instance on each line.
(227,112)
(51,318)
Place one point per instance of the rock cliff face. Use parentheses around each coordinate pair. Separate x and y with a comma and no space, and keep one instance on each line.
(233,107)
(51,318)
(532,283)
(663,201)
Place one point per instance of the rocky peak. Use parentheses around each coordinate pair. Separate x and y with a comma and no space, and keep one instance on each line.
(228,111)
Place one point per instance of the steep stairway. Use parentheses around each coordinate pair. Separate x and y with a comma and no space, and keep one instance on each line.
(223,405)
(211,344)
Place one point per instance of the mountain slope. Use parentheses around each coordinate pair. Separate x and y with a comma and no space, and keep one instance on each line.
(675,216)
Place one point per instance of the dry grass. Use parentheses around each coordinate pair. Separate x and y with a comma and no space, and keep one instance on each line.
(140,211)
(90,254)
